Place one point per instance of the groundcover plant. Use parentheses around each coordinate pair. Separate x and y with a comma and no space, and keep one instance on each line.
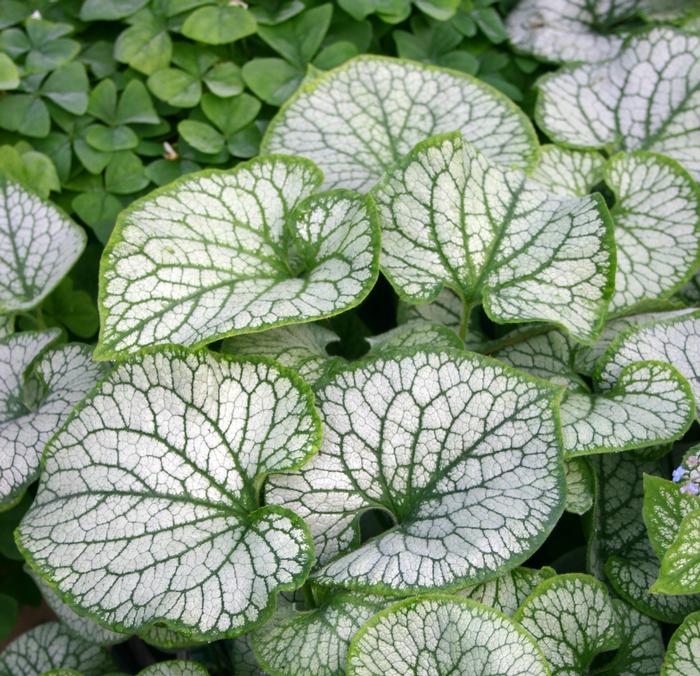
(349,338)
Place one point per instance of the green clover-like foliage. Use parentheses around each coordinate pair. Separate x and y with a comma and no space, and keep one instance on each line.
(572,618)
(452,218)
(506,592)
(601,105)
(657,227)
(675,340)
(148,507)
(649,403)
(439,634)
(229,252)
(619,548)
(682,655)
(298,643)
(38,245)
(51,647)
(357,121)
(459,450)
(38,389)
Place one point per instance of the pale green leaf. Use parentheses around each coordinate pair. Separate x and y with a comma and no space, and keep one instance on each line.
(9,75)
(657,227)
(446,443)
(647,97)
(568,172)
(569,30)
(38,245)
(664,509)
(51,646)
(683,652)
(618,547)
(299,643)
(579,486)
(229,252)
(148,506)
(572,618)
(36,396)
(680,566)
(358,120)
(450,217)
(507,592)
(219,25)
(443,635)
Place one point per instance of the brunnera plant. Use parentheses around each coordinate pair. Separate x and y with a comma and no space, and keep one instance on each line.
(240,472)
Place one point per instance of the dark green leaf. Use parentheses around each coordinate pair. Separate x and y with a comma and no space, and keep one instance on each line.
(68,87)
(232,114)
(109,10)
(125,174)
(111,139)
(145,46)
(102,102)
(175,87)
(201,136)
(135,105)
(73,308)
(163,171)
(224,79)
(24,113)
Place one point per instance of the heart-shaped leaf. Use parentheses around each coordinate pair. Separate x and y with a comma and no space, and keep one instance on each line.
(598,105)
(650,402)
(52,646)
(36,396)
(443,635)
(682,656)
(569,30)
(298,643)
(179,538)
(657,227)
(507,592)
(572,618)
(641,651)
(450,217)
(675,341)
(459,450)
(222,253)
(38,245)
(358,120)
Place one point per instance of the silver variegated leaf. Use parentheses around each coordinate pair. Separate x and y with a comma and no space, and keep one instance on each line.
(356,121)
(683,655)
(569,30)
(675,341)
(568,172)
(572,618)
(506,592)
(82,626)
(452,218)
(459,450)
(413,335)
(38,245)
(579,486)
(221,253)
(443,635)
(646,97)
(298,643)
(174,668)
(657,227)
(148,507)
(52,646)
(302,347)
(38,389)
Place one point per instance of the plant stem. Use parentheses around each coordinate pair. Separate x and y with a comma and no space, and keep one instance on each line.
(466,312)
(309,599)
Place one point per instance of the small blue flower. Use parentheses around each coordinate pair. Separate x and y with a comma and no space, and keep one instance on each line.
(678,474)
(690,489)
